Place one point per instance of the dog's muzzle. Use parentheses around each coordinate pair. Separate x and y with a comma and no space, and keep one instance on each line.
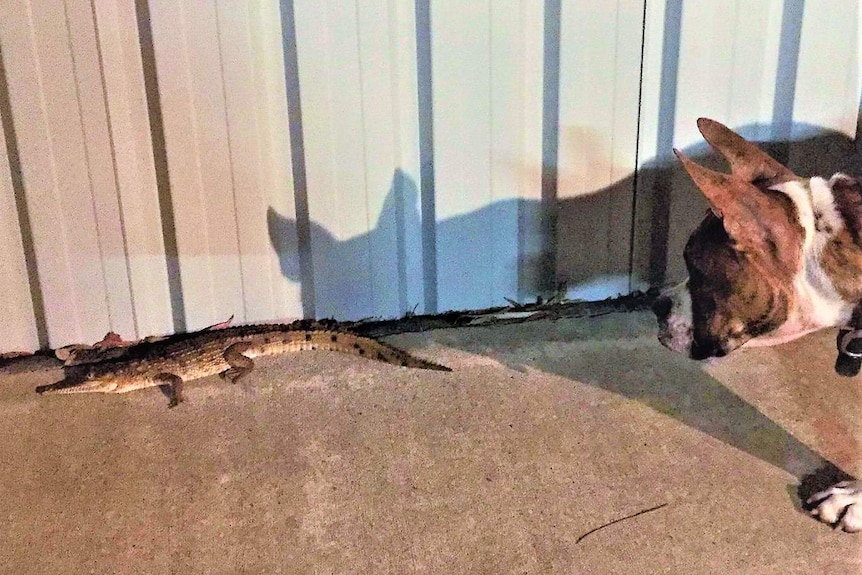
(673,311)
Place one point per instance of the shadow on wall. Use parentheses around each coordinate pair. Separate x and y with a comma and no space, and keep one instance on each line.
(591,253)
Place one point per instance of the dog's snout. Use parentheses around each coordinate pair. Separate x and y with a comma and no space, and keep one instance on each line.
(662,307)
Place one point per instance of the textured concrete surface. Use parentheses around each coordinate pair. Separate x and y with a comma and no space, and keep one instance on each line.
(322,463)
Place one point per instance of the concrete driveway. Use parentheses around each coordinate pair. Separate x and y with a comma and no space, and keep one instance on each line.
(544,431)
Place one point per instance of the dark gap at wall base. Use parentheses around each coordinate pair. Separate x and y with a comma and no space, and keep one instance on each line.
(635,301)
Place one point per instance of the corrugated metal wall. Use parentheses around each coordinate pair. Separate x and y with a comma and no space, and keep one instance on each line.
(169,163)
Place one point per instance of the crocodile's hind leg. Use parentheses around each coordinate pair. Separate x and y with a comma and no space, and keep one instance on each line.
(172,386)
(240,365)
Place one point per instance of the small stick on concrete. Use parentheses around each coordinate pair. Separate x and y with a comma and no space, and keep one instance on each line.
(591,531)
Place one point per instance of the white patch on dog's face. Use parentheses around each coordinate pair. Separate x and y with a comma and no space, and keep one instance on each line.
(675,332)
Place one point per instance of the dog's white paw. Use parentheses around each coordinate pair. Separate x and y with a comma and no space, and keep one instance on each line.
(840,505)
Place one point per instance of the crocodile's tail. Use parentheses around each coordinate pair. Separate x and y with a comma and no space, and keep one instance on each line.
(344,342)
(400,357)
(66,386)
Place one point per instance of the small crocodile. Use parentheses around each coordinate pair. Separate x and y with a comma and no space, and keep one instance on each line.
(168,363)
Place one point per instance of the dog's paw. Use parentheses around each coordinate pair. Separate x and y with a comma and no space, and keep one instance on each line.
(840,505)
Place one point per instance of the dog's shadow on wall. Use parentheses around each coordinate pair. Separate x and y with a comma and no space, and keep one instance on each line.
(668,207)
(571,242)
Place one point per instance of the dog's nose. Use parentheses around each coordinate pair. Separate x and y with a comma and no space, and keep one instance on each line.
(704,350)
(662,307)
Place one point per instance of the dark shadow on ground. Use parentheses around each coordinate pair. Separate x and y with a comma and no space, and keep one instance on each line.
(616,357)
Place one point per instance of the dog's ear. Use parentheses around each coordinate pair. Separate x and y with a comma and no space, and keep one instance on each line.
(757,222)
(746,160)
(721,190)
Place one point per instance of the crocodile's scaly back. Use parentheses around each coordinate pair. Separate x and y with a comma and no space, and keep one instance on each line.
(228,351)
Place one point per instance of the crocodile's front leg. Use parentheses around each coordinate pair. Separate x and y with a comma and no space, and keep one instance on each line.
(240,365)
(172,386)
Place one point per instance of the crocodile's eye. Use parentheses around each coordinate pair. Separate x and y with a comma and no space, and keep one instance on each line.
(91,374)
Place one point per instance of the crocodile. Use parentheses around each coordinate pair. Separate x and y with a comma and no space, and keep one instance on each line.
(229,352)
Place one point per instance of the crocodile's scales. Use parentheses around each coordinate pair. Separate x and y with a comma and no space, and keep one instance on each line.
(230,352)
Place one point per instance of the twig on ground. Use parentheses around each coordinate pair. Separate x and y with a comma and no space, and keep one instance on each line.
(591,531)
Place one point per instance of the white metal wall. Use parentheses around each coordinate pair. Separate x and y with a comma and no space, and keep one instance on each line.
(169,163)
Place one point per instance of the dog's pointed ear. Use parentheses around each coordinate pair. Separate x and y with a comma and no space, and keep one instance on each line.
(756,221)
(718,188)
(731,199)
(746,160)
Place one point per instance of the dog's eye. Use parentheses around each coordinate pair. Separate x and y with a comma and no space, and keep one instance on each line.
(737,329)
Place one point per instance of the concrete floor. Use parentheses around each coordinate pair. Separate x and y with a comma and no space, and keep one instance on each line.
(322,463)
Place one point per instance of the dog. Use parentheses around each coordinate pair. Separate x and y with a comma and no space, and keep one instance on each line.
(777,256)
